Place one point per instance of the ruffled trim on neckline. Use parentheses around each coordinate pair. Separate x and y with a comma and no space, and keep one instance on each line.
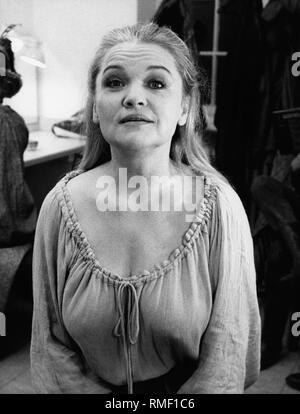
(200,219)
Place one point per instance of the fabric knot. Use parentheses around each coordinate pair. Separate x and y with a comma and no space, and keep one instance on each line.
(128,308)
(128,323)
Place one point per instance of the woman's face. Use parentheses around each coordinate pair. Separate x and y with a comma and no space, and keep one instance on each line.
(139,96)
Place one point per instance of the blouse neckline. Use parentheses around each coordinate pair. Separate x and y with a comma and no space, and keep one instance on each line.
(201,217)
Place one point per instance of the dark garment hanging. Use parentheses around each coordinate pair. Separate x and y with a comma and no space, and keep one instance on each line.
(280,25)
(17,210)
(238,96)
(277,253)
(170,13)
(176,14)
(255,79)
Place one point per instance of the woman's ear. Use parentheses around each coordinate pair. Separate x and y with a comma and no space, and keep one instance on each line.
(184,111)
(95,115)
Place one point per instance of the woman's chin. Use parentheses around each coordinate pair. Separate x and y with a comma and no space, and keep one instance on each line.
(134,143)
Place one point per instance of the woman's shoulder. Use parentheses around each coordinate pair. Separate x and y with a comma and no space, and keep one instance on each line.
(79,186)
(78,181)
(50,206)
(57,207)
(225,194)
(226,204)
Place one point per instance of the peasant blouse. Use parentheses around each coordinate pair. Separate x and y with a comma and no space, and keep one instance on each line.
(193,319)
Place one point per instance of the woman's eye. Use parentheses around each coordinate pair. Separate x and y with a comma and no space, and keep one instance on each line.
(114,83)
(156,84)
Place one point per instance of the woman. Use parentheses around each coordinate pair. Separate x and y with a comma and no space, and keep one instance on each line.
(17,210)
(102,324)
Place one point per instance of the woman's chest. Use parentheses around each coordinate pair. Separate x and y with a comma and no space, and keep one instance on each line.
(170,310)
(129,243)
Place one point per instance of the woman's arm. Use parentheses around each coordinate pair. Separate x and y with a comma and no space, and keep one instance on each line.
(57,365)
(230,349)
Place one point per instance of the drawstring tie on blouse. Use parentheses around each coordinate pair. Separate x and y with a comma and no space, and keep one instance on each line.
(128,323)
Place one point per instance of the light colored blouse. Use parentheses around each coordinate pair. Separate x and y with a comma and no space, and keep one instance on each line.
(194,316)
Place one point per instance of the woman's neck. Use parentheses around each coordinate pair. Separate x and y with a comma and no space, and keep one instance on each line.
(146,164)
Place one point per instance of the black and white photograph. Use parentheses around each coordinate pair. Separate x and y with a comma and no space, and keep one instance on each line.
(150,199)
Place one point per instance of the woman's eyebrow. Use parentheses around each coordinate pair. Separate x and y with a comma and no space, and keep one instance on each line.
(119,67)
(113,67)
(159,67)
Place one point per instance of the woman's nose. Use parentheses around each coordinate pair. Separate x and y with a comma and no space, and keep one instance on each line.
(134,97)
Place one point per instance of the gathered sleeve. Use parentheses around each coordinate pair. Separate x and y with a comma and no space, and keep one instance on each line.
(229,358)
(57,365)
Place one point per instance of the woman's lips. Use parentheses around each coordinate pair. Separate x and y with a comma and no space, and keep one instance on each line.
(135,118)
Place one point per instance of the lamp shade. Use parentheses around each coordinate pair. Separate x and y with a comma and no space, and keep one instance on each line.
(28,48)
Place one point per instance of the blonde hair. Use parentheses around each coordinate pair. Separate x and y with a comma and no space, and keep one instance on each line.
(186,145)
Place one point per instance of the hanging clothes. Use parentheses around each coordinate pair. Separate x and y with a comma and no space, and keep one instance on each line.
(255,79)
(17,210)
(238,94)
(280,25)
(176,15)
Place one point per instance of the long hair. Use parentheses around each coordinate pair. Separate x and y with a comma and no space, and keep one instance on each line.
(186,145)
(10,82)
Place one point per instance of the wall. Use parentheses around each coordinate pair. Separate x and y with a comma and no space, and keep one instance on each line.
(17,11)
(70,31)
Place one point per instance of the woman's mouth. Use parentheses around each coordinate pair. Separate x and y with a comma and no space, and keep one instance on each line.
(135,118)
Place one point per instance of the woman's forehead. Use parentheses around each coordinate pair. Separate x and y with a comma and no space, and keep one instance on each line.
(131,53)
